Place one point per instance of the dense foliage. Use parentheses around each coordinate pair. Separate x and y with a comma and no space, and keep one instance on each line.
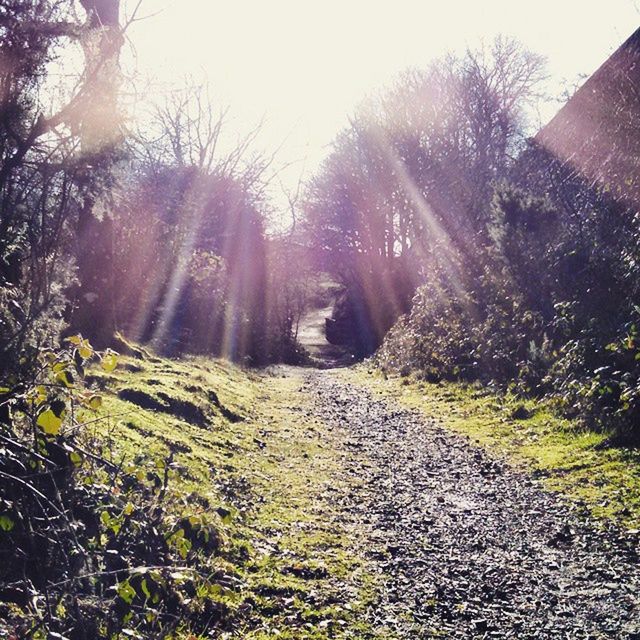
(40,181)
(160,234)
(89,545)
(162,237)
(544,305)
(522,257)
(408,185)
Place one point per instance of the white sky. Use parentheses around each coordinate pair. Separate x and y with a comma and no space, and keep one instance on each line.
(305,65)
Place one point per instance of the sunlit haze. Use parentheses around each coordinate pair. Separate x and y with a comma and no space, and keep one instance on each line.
(319,319)
(304,66)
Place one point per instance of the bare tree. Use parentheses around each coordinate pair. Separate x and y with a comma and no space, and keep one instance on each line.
(204,202)
(409,183)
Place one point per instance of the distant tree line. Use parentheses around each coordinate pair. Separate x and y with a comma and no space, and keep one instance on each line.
(489,255)
(408,185)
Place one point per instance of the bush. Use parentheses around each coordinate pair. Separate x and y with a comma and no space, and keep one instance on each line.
(544,306)
(89,546)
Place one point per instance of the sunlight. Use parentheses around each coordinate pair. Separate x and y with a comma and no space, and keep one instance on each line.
(306,67)
(438,236)
(316,322)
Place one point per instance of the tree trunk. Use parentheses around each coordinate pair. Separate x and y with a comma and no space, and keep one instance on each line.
(100,134)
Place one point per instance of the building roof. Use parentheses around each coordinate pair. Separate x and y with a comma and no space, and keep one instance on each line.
(597,132)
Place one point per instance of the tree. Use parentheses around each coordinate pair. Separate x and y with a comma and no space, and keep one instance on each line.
(408,187)
(44,184)
(200,197)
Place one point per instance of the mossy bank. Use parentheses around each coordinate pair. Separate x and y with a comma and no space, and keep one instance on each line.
(245,451)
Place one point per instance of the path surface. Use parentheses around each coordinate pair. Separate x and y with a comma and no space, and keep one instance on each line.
(469,547)
(311,335)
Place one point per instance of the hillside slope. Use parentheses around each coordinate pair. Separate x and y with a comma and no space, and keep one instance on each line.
(240,481)
(244,446)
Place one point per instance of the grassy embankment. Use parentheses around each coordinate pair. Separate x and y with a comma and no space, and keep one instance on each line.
(246,445)
(567,458)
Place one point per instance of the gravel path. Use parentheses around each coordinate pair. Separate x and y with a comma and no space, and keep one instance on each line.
(471,548)
(312,336)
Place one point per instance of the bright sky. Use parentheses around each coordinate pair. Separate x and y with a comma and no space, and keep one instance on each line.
(305,65)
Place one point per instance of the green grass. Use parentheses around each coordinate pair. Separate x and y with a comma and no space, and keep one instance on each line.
(253,450)
(569,459)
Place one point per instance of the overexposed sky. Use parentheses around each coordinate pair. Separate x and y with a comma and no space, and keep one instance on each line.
(304,65)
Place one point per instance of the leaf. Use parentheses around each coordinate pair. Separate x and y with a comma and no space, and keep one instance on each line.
(145,588)
(41,394)
(49,422)
(112,523)
(95,402)
(4,390)
(75,339)
(65,378)
(75,458)
(6,523)
(85,351)
(109,361)
(126,592)
(128,509)
(184,546)
(57,367)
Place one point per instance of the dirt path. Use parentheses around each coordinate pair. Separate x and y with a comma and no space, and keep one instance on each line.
(311,335)
(470,548)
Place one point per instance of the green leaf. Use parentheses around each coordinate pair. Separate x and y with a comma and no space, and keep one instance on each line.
(41,395)
(126,592)
(6,523)
(65,378)
(58,367)
(49,422)
(109,361)
(85,351)
(145,588)
(183,546)
(95,402)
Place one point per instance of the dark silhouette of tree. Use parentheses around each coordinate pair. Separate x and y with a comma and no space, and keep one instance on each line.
(49,171)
